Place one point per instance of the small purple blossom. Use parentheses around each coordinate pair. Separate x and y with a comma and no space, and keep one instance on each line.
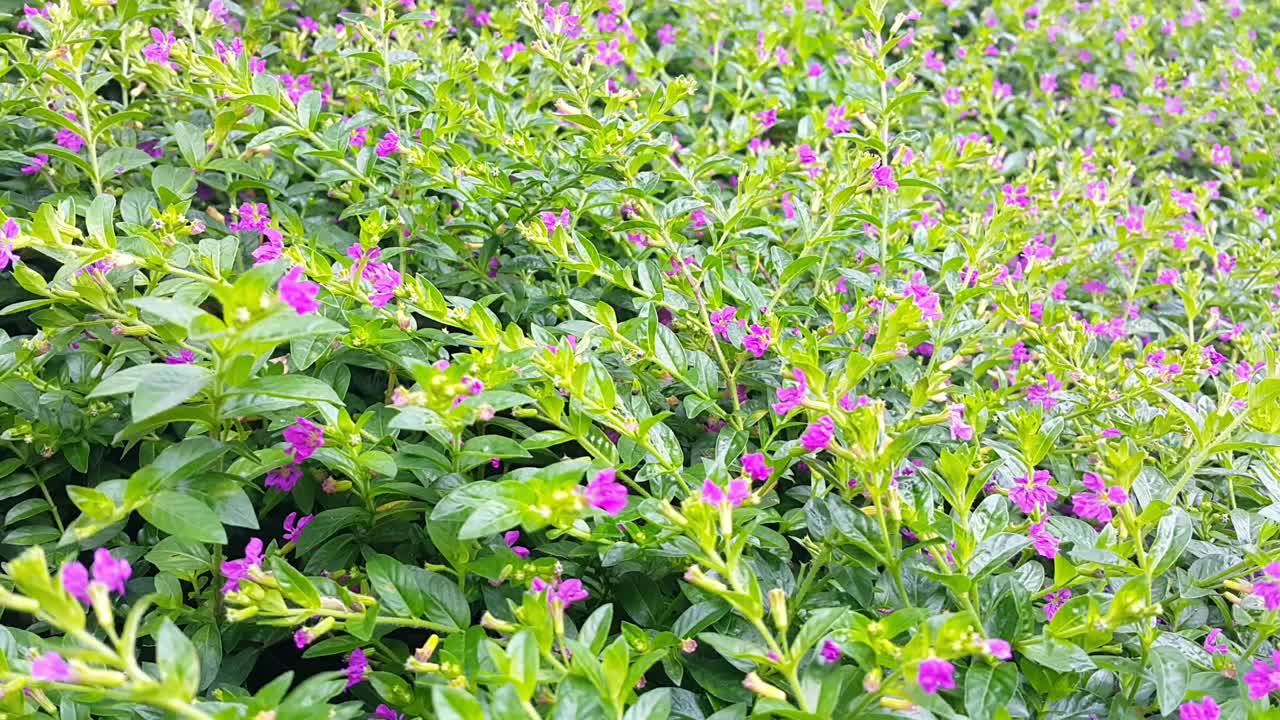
(304,438)
(294,525)
(605,493)
(818,435)
(936,674)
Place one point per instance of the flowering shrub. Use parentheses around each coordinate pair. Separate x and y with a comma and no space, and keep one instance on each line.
(639,360)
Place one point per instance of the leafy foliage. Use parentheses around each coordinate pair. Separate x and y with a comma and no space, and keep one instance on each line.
(698,360)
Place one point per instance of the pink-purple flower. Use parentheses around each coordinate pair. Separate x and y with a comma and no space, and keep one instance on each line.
(936,674)
(1032,493)
(294,525)
(604,492)
(357,668)
(1206,709)
(233,571)
(304,438)
(818,435)
(50,667)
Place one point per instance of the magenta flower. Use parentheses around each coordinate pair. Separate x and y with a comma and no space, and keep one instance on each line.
(236,570)
(294,525)
(830,652)
(67,138)
(1043,395)
(250,218)
(1269,590)
(75,580)
(109,571)
(1048,83)
(38,161)
(607,53)
(924,297)
(818,435)
(605,493)
(936,674)
(566,591)
(836,123)
(307,24)
(959,430)
(184,357)
(1033,492)
(739,491)
(999,649)
(284,479)
(559,21)
(299,294)
(667,34)
(1264,678)
(271,249)
(301,638)
(1221,154)
(385,713)
(304,438)
(1214,644)
(158,51)
(754,465)
(50,667)
(883,176)
(1206,709)
(551,221)
(757,341)
(1053,602)
(1044,542)
(357,668)
(790,398)
(358,138)
(511,537)
(720,320)
(389,144)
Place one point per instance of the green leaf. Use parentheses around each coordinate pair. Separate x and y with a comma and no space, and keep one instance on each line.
(1171,672)
(302,388)
(184,516)
(987,688)
(289,325)
(294,585)
(177,660)
(415,592)
(166,387)
(452,704)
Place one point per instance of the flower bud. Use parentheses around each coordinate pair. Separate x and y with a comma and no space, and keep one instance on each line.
(695,577)
(871,681)
(753,683)
(778,607)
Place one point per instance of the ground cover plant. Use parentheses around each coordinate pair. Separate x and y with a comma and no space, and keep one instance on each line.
(639,360)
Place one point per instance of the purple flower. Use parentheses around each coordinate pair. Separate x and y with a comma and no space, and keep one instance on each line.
(559,21)
(1053,602)
(754,465)
(511,537)
(883,176)
(304,437)
(1213,643)
(236,570)
(1044,542)
(667,34)
(298,293)
(1206,709)
(294,525)
(936,674)
(959,430)
(924,297)
(1043,395)
(75,580)
(791,398)
(818,435)
(1264,678)
(566,591)
(50,667)
(604,492)
(830,652)
(836,123)
(1221,155)
(720,320)
(551,221)
(358,138)
(390,143)
(284,479)
(712,494)
(357,668)
(999,649)
(158,51)
(757,341)
(184,357)
(109,571)
(1034,492)
(301,638)
(271,249)
(385,713)
(38,161)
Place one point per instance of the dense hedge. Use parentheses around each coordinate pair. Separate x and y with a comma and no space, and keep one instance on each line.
(691,359)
